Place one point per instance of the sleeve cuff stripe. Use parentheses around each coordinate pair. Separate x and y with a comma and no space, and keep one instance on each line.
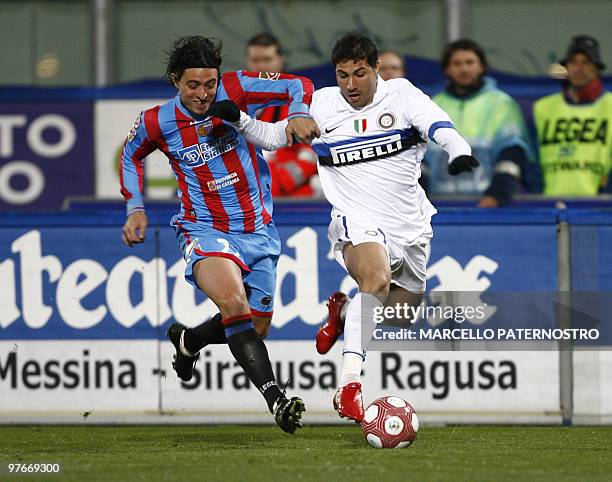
(438,125)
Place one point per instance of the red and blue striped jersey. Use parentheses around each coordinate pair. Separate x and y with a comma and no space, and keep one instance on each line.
(223,181)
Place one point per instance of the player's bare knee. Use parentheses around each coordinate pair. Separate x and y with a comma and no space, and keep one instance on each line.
(376,283)
(233,304)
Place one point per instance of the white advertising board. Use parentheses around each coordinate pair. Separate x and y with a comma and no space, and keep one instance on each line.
(113,120)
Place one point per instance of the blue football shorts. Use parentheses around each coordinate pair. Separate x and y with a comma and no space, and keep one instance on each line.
(255,253)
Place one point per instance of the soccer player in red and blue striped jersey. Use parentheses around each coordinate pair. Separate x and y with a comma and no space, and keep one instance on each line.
(224,227)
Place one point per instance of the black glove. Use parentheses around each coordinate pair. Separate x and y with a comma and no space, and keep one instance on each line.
(461,164)
(226,110)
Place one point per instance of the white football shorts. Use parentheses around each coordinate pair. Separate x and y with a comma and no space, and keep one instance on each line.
(408,261)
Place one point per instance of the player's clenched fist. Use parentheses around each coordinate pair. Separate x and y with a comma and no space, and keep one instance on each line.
(462,164)
(305,129)
(226,110)
(134,228)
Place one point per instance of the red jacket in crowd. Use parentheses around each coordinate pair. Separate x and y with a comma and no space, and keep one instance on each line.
(292,167)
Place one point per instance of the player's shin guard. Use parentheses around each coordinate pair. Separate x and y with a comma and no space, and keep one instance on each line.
(211,332)
(358,329)
(250,352)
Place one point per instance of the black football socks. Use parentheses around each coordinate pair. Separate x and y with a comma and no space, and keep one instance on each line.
(211,332)
(250,352)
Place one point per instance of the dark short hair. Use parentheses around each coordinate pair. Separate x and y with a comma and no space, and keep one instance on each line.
(265,39)
(355,46)
(463,44)
(193,52)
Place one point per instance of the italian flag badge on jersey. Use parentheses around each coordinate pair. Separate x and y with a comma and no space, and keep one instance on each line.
(361,125)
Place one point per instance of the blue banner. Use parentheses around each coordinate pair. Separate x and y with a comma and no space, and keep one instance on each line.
(81,282)
(46,154)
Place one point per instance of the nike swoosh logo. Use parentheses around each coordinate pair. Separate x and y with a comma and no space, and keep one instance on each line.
(327,131)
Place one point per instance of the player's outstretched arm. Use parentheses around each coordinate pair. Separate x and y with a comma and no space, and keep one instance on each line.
(266,135)
(260,90)
(434,124)
(263,89)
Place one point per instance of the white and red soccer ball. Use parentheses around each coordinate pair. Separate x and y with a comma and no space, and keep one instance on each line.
(390,422)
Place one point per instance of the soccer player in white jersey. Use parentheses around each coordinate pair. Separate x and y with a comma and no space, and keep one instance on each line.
(374,134)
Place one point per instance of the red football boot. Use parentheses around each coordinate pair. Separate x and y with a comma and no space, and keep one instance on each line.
(334,326)
(348,402)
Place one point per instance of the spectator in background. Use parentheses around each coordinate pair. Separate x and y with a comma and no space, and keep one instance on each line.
(294,168)
(264,54)
(490,120)
(392,65)
(574,126)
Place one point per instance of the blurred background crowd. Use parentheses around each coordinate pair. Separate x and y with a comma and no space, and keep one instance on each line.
(524,82)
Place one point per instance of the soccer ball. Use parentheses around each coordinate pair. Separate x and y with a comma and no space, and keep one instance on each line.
(390,422)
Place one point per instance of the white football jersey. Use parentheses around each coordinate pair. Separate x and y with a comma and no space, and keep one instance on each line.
(370,159)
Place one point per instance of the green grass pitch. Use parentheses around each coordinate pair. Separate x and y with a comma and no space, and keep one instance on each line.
(260,453)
